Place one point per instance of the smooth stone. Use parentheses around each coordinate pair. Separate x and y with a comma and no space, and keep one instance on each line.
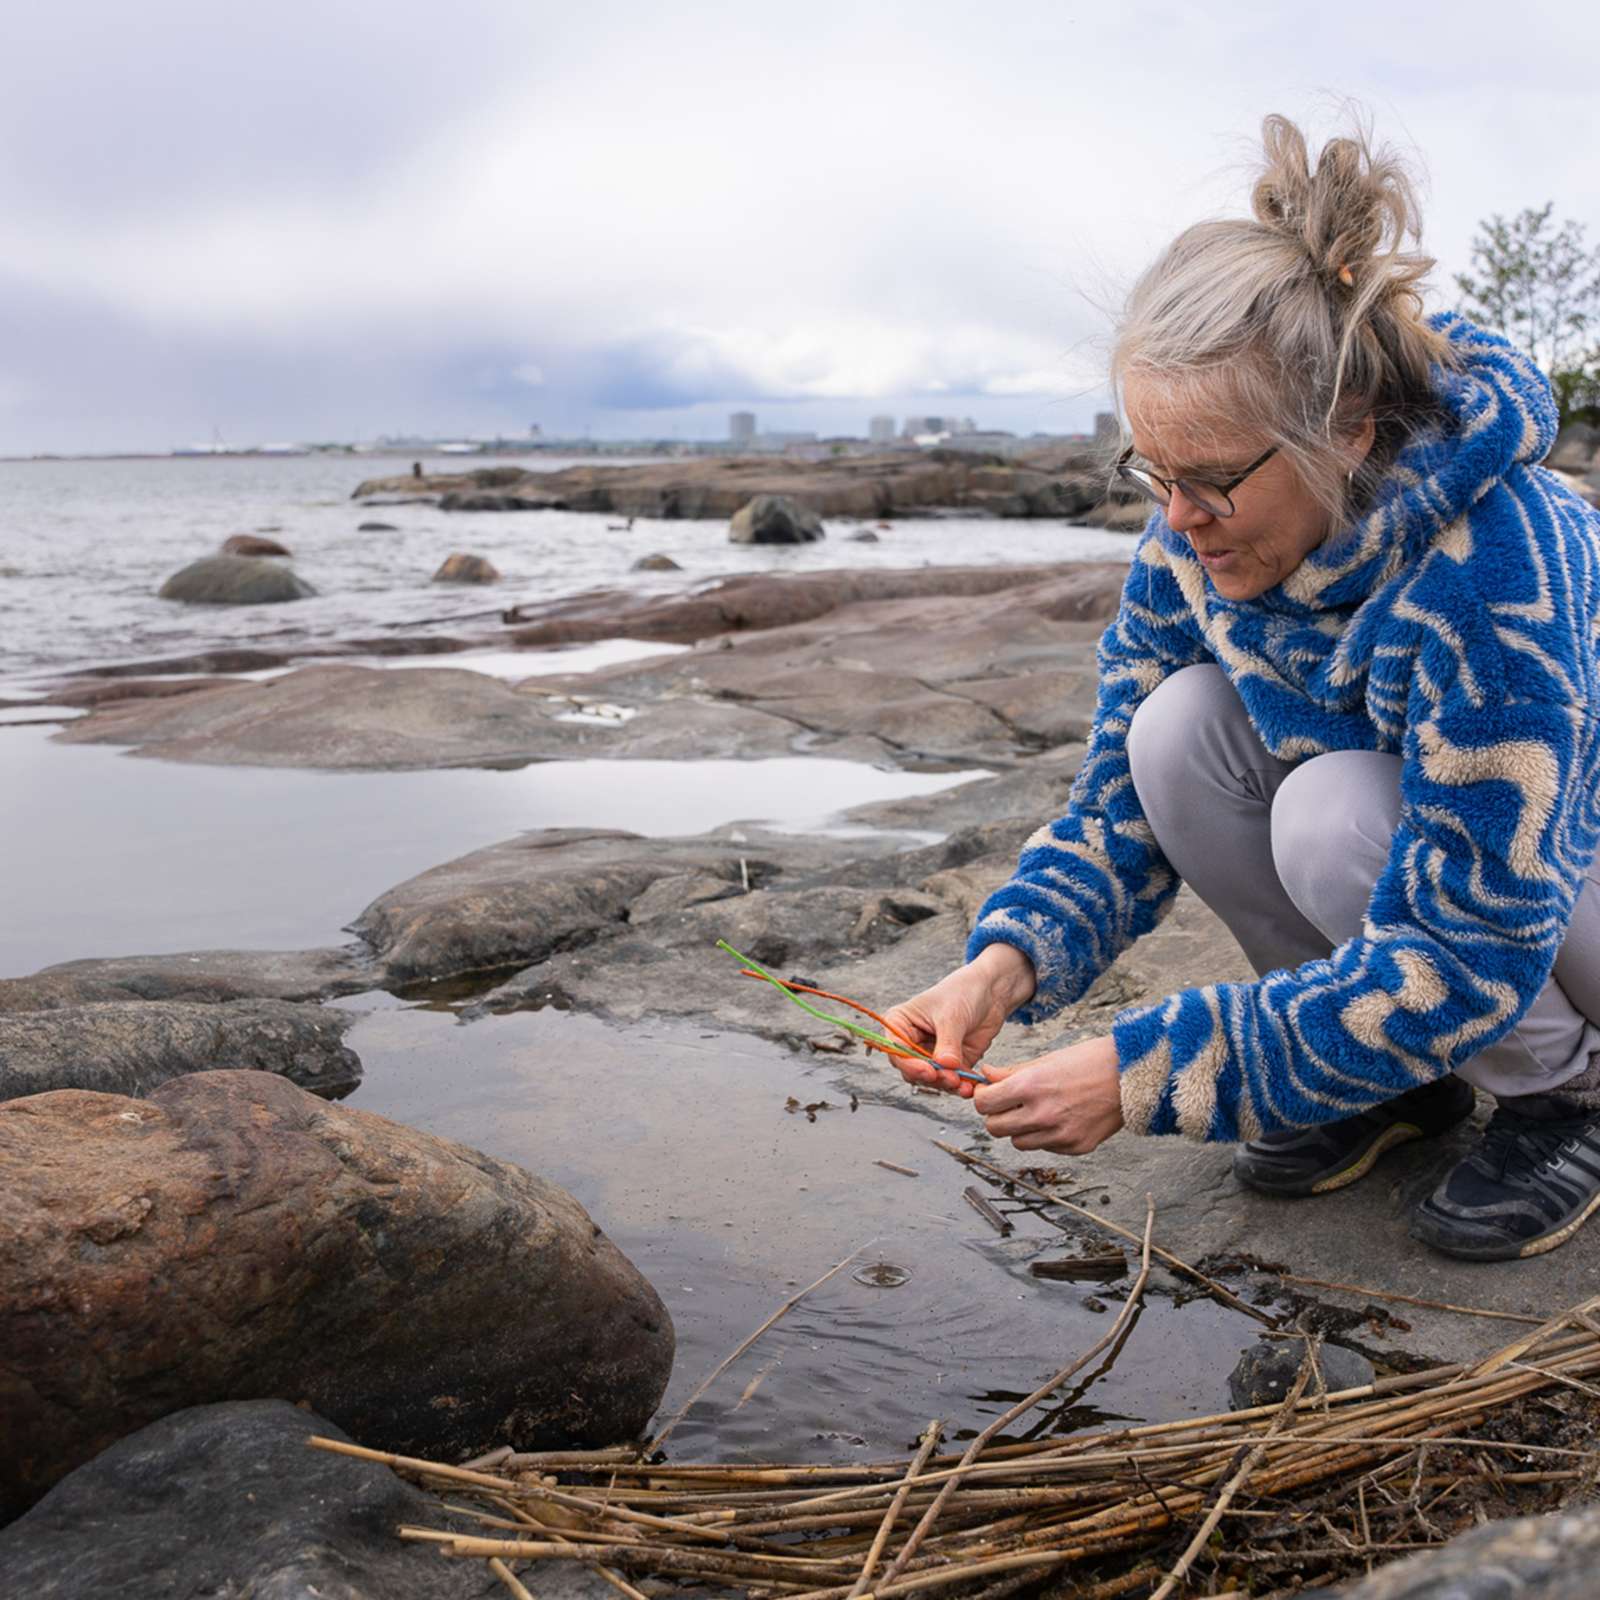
(658,561)
(234,581)
(133,1046)
(376,527)
(464,568)
(250,544)
(232,1237)
(774,519)
(866,536)
(228,1500)
(1267,1370)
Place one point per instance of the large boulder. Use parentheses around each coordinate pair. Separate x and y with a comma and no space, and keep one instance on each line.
(233,1237)
(464,568)
(134,1046)
(234,581)
(774,519)
(228,1500)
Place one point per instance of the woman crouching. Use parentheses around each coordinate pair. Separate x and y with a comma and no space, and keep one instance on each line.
(1349,697)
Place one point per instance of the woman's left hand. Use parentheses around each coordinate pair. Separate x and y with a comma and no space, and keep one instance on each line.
(1068,1101)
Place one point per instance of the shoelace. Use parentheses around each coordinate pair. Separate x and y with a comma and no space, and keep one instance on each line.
(1515,1146)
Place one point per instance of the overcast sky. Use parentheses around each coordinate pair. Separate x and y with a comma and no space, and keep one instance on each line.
(340,219)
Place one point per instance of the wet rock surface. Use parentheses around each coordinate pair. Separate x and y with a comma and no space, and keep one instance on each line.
(251,544)
(915,667)
(132,1047)
(228,1500)
(235,580)
(1267,1371)
(464,568)
(1526,1558)
(232,1237)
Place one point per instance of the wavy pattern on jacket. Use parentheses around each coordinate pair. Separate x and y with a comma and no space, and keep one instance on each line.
(1455,626)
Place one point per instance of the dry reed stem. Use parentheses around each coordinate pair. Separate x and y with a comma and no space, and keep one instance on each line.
(1406,1299)
(1251,1461)
(930,1438)
(1226,1296)
(508,1578)
(727,1361)
(1124,1318)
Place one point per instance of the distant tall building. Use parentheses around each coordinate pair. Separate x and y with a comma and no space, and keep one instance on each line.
(742,427)
(880,430)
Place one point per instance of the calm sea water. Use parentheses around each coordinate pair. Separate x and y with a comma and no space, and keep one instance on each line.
(84,545)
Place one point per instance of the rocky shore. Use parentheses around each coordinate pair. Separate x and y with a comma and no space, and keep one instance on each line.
(164,1120)
(1053,482)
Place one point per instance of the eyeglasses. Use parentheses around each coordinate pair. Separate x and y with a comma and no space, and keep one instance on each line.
(1217,498)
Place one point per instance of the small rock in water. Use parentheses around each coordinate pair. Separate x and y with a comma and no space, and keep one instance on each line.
(461,568)
(250,544)
(376,527)
(658,561)
(234,581)
(774,519)
(866,536)
(1267,1370)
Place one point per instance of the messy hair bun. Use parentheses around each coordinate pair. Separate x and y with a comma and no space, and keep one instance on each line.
(1303,321)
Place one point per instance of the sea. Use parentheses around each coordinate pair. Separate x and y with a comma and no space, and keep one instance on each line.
(682,1141)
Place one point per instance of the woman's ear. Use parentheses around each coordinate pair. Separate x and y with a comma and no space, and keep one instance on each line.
(1360,442)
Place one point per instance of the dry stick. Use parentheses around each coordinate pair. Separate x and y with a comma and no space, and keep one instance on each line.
(1129,1307)
(508,1578)
(1234,1484)
(717,1371)
(930,1438)
(1408,1299)
(1225,1295)
(894,1166)
(617,1582)
(435,1469)
(987,1211)
(1516,1351)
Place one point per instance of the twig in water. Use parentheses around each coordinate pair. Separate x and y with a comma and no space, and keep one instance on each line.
(892,1166)
(727,1361)
(948,1487)
(1224,1295)
(987,1212)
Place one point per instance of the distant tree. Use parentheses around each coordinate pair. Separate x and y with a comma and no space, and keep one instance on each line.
(1539,285)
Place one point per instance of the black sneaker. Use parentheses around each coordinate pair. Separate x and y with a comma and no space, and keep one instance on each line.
(1527,1187)
(1315,1160)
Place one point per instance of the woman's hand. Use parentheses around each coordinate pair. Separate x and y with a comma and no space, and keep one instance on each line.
(957,1019)
(1068,1101)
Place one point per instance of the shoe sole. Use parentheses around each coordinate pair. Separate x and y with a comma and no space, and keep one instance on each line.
(1542,1245)
(1396,1133)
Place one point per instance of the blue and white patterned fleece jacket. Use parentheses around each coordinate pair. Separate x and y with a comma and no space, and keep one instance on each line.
(1455,626)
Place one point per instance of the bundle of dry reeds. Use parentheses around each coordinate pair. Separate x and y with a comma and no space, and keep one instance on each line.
(1001,1517)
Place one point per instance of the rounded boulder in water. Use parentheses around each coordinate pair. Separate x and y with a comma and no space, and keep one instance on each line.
(235,581)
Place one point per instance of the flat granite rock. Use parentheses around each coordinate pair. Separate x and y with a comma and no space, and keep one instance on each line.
(133,1046)
(224,1502)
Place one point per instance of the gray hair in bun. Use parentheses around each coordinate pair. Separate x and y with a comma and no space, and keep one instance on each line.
(1301,321)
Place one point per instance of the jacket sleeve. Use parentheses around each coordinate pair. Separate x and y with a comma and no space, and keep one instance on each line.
(1497,830)
(1092,882)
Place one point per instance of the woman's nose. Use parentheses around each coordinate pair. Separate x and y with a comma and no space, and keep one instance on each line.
(1183,514)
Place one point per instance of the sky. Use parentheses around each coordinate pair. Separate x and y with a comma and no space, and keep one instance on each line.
(340,220)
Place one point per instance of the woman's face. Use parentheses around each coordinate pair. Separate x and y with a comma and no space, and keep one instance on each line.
(1276,523)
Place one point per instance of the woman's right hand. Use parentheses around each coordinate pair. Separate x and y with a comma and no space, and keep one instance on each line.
(958,1018)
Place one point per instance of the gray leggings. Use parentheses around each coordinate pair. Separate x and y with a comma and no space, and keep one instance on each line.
(1288,856)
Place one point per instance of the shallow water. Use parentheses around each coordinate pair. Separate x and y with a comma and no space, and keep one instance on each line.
(84,545)
(678,1142)
(106,854)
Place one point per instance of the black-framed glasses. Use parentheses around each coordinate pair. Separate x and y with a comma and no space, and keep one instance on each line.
(1217,498)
